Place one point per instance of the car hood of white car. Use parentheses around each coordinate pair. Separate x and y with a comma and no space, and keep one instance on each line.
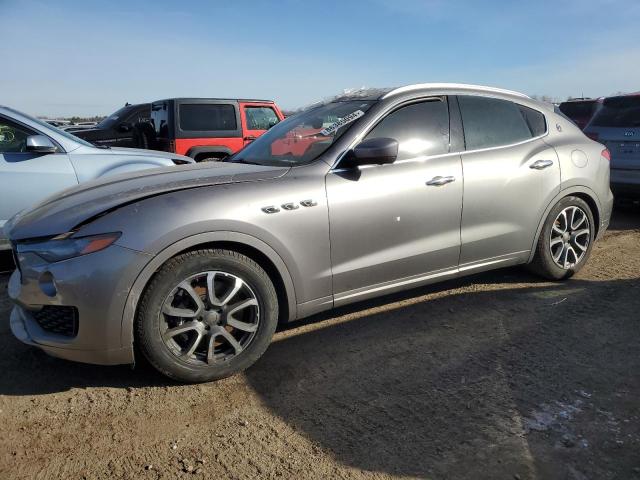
(66,210)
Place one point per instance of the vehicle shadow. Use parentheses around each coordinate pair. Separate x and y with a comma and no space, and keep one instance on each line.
(423,383)
(25,370)
(432,387)
(625,216)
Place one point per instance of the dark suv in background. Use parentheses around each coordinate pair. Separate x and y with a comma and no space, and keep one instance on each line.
(579,110)
(207,129)
(128,127)
(616,124)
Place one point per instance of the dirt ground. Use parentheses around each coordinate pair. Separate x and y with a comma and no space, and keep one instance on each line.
(497,376)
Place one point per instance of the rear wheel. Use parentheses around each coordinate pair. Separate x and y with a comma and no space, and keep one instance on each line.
(565,241)
(207,315)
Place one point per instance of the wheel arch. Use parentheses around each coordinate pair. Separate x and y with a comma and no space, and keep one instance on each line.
(194,152)
(250,246)
(582,192)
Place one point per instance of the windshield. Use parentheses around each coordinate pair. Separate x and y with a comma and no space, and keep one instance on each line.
(114,117)
(303,137)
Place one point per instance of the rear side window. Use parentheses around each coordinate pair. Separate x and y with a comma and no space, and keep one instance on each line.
(207,117)
(491,122)
(260,118)
(535,120)
(618,112)
(420,129)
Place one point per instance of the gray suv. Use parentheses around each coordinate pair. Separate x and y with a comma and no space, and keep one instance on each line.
(368,194)
(616,124)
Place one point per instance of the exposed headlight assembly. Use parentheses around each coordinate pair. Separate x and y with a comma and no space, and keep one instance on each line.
(63,246)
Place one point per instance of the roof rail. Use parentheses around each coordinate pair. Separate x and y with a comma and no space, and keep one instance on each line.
(463,86)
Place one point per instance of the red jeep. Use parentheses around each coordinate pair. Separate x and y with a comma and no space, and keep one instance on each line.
(207,129)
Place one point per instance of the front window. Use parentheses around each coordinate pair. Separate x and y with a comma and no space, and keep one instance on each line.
(50,128)
(118,116)
(303,137)
(260,118)
(13,138)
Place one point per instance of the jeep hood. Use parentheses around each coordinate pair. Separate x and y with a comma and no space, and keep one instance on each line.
(70,208)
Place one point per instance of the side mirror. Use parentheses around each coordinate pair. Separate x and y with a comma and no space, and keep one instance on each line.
(40,144)
(125,127)
(373,151)
(273,122)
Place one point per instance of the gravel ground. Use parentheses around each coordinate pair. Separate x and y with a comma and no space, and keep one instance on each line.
(497,376)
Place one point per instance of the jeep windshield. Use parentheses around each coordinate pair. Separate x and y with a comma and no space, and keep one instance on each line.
(305,136)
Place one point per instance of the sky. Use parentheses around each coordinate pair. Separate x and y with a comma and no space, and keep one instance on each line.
(62,58)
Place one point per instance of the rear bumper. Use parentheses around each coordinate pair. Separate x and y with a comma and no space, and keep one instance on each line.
(605,214)
(625,182)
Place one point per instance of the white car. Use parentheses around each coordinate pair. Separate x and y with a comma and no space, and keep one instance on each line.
(38,159)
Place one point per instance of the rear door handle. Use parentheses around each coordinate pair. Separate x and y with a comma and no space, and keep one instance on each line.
(540,164)
(439,181)
(250,138)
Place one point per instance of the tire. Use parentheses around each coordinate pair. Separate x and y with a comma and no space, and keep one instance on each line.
(209,158)
(547,263)
(216,354)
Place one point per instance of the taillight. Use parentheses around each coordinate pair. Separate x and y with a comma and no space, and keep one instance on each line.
(592,135)
(606,154)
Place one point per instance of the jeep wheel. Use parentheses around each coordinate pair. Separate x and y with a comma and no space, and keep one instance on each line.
(206,315)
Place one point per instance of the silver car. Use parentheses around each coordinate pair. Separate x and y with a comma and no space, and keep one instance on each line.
(38,159)
(362,196)
(616,124)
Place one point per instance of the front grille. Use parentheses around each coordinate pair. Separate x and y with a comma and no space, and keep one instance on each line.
(58,320)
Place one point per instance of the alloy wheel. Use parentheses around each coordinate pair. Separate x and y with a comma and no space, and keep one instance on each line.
(570,237)
(209,318)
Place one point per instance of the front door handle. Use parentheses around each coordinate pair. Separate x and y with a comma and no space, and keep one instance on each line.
(250,138)
(540,164)
(439,181)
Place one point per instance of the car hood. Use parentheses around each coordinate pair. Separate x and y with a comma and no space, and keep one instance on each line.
(134,152)
(68,209)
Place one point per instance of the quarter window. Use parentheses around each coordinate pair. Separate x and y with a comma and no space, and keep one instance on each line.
(491,122)
(207,117)
(260,118)
(420,129)
(13,138)
(535,120)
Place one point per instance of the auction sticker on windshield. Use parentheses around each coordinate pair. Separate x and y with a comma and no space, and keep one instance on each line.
(342,122)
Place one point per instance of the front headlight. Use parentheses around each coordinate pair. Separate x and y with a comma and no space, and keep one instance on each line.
(64,247)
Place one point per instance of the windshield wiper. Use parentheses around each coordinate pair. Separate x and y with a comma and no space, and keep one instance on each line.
(103,147)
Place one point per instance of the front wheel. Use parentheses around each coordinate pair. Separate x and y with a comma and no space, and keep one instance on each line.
(206,315)
(565,241)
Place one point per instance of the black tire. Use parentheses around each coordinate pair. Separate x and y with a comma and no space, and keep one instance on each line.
(149,317)
(210,158)
(543,263)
